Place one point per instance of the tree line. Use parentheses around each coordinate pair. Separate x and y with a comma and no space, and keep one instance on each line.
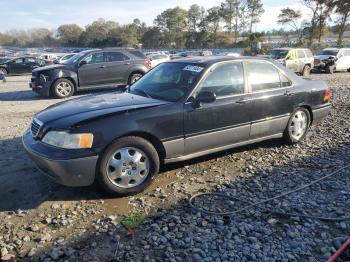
(231,24)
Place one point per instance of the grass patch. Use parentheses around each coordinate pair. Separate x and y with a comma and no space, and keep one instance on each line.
(133,220)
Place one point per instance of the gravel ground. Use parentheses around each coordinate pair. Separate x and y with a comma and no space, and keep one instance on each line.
(40,220)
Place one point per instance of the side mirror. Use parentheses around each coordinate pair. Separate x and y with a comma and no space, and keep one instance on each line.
(81,63)
(204,97)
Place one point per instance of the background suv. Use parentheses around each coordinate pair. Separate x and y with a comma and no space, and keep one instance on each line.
(333,59)
(299,60)
(88,69)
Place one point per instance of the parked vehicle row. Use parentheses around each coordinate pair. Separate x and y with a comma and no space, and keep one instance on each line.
(180,110)
(301,60)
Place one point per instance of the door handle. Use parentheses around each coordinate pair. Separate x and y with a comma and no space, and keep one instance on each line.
(102,66)
(242,101)
(288,93)
(127,63)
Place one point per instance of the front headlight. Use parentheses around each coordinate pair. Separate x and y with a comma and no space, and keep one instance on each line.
(68,140)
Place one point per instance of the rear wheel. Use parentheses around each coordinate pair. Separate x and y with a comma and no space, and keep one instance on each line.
(348,70)
(134,77)
(63,88)
(297,126)
(306,70)
(128,166)
(4,71)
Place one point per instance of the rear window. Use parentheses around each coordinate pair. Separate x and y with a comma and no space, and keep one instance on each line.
(308,53)
(115,57)
(138,54)
(346,52)
(263,76)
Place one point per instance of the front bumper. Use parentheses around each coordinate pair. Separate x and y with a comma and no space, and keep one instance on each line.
(40,87)
(320,113)
(69,172)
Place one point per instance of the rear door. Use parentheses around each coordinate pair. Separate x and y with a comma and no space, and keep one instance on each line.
(272,98)
(94,72)
(225,121)
(117,66)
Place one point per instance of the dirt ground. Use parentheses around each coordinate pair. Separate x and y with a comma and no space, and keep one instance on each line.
(39,214)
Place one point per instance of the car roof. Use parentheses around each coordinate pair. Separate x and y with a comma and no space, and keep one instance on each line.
(209,60)
(118,49)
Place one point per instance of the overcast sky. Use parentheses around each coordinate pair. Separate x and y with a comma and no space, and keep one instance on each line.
(24,14)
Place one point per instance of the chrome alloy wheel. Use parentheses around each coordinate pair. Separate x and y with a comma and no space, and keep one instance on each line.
(64,89)
(128,167)
(298,125)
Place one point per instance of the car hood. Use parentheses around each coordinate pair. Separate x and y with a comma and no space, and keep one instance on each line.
(75,111)
(322,57)
(49,67)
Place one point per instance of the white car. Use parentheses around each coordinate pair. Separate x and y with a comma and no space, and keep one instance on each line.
(333,59)
(158,59)
(63,58)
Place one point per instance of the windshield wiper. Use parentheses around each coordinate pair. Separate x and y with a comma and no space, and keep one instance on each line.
(143,92)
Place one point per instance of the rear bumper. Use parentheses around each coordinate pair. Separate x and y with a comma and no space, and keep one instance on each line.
(69,172)
(320,113)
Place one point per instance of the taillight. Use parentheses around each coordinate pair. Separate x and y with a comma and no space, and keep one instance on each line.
(327,95)
(148,63)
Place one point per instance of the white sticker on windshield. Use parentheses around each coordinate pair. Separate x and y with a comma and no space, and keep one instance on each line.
(193,68)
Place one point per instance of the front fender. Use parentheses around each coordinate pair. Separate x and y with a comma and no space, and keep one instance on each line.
(62,73)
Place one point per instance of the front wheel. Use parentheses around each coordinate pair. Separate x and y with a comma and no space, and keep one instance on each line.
(297,126)
(306,70)
(63,88)
(128,166)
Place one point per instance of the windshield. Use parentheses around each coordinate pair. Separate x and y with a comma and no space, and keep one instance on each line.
(329,52)
(74,59)
(279,53)
(168,81)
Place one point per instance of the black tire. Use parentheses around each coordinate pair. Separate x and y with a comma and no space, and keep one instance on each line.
(330,69)
(59,84)
(348,70)
(126,142)
(288,136)
(306,70)
(3,70)
(134,77)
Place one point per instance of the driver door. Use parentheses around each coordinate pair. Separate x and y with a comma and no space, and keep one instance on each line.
(292,60)
(222,122)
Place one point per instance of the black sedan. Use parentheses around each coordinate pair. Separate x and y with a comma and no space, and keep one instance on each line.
(179,110)
(20,65)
